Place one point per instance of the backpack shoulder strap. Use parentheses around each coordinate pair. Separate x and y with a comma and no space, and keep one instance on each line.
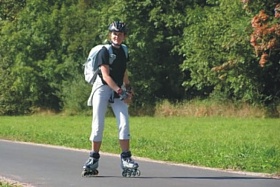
(109,48)
(112,56)
(125,50)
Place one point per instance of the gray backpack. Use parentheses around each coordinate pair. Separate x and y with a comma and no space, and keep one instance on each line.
(91,68)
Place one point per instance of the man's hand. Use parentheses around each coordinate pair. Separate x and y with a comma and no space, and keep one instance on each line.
(129,89)
(125,96)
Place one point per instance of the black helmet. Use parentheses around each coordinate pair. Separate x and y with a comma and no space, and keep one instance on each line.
(118,26)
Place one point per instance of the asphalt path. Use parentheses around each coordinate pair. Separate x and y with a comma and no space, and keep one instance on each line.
(51,166)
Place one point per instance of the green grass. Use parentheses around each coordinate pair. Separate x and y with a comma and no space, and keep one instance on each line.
(7,184)
(247,144)
(4,185)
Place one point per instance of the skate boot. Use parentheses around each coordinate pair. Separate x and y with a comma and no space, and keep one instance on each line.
(91,165)
(129,166)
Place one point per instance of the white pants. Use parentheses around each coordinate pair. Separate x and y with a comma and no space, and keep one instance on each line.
(100,101)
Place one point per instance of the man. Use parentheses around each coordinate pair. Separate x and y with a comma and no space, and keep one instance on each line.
(112,87)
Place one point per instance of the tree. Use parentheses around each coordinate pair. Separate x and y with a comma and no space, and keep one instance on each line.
(218,54)
(9,9)
(265,39)
(30,45)
(178,50)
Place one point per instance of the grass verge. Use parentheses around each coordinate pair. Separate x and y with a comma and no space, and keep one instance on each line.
(246,144)
(4,183)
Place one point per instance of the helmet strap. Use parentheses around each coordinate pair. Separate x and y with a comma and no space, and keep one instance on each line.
(115,45)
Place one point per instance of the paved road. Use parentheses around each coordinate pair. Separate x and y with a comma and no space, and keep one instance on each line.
(46,166)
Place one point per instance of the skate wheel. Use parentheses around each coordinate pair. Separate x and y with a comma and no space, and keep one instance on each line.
(89,173)
(84,173)
(138,173)
(95,172)
(129,174)
(134,173)
(124,174)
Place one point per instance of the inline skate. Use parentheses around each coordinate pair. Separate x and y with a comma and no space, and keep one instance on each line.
(91,165)
(129,166)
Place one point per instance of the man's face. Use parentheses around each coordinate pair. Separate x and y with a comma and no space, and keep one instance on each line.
(117,37)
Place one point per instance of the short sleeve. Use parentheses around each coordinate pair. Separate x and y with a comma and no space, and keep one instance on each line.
(103,56)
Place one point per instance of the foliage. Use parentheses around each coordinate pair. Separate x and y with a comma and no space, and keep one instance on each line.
(218,57)
(9,9)
(178,50)
(215,49)
(265,39)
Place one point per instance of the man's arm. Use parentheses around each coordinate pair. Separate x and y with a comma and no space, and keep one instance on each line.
(107,78)
(125,78)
